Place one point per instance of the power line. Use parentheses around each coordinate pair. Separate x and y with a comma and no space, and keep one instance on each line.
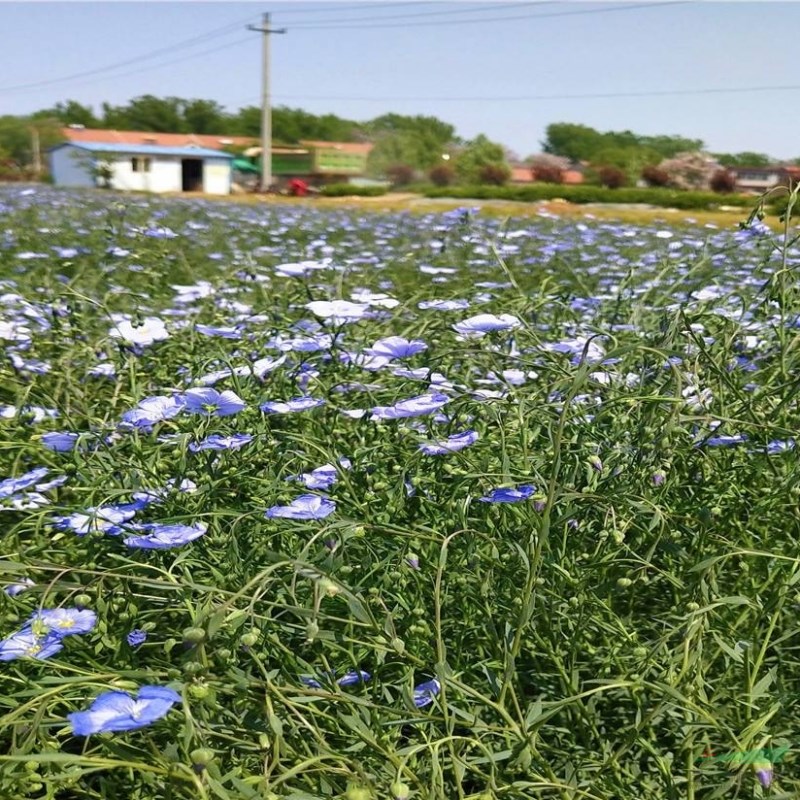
(483,20)
(447,12)
(150,67)
(530,97)
(216,33)
(360,7)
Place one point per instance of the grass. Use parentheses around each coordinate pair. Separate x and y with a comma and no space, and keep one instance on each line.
(593,639)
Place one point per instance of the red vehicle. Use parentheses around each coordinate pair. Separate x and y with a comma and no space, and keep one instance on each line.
(297,187)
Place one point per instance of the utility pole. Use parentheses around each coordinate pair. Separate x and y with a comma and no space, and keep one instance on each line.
(37,152)
(266,110)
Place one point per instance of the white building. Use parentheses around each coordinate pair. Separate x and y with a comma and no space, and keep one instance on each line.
(141,167)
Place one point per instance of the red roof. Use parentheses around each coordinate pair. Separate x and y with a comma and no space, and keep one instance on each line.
(213,142)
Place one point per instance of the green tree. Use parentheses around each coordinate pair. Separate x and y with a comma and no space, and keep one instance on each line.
(70,113)
(479,153)
(147,113)
(418,141)
(744,159)
(575,142)
(582,143)
(17,135)
(205,116)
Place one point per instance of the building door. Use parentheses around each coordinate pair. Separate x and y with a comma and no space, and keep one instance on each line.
(192,175)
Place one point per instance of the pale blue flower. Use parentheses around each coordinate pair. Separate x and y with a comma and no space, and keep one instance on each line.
(290,406)
(118,711)
(210,402)
(450,445)
(413,407)
(513,495)
(60,442)
(136,637)
(27,644)
(165,536)
(485,323)
(307,506)
(426,692)
(217,441)
(152,410)
(13,485)
(396,347)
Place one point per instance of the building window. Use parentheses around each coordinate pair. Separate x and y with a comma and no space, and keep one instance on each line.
(140,164)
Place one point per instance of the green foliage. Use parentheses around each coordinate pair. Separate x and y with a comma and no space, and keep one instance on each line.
(350,190)
(582,143)
(418,141)
(16,137)
(147,113)
(744,159)
(71,113)
(475,155)
(592,642)
(666,198)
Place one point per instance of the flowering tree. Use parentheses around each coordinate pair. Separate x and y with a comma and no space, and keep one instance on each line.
(691,170)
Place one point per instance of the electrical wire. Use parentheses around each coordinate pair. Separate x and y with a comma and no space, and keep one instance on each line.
(216,33)
(530,97)
(448,12)
(483,20)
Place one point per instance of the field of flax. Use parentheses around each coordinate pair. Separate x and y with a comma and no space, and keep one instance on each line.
(306,504)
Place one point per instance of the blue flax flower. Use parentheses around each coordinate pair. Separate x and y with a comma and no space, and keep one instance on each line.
(351,678)
(165,537)
(118,711)
(213,403)
(221,331)
(217,441)
(63,621)
(106,519)
(28,644)
(396,347)
(513,495)
(136,637)
(425,692)
(307,506)
(13,485)
(60,442)
(450,445)
(152,410)
(484,323)
(296,404)
(413,407)
(42,635)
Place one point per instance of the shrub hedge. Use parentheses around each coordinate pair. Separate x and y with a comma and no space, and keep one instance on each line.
(666,198)
(349,190)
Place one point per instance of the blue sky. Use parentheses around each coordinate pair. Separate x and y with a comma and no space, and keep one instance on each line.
(457,69)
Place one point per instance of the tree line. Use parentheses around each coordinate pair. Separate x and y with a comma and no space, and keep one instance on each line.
(405,147)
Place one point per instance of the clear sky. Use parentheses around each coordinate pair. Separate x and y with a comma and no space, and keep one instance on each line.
(500,68)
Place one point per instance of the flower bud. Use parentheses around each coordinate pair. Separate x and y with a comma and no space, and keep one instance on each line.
(400,791)
(194,635)
(201,757)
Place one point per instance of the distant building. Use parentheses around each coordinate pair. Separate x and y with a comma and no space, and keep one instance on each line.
(317,162)
(525,173)
(141,167)
(756,180)
(313,160)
